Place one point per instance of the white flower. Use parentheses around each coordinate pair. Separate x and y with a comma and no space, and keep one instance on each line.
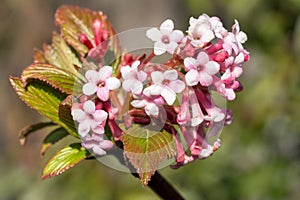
(133,78)
(200,31)
(166,39)
(89,118)
(166,84)
(100,82)
(200,70)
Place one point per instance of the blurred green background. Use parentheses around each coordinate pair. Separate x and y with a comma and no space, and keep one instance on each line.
(260,153)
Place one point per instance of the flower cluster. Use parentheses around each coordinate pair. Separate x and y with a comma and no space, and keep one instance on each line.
(209,58)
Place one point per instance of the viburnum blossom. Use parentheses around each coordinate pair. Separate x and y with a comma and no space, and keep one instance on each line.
(166,107)
(89,118)
(166,84)
(97,143)
(166,39)
(100,82)
(149,103)
(204,29)
(133,78)
(208,58)
(201,70)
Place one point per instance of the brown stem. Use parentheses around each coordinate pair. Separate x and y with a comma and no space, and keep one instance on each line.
(162,188)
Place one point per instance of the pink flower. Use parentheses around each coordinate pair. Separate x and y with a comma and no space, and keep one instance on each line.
(133,78)
(150,104)
(166,39)
(200,70)
(89,118)
(166,84)
(96,143)
(201,31)
(100,82)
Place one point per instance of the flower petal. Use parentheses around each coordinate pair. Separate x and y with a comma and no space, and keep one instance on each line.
(78,115)
(176,36)
(92,76)
(138,103)
(128,84)
(103,93)
(154,34)
(135,64)
(205,79)
(177,86)
(89,88)
(142,76)
(211,67)
(202,58)
(106,144)
(84,128)
(105,72)
(151,109)
(159,48)
(97,150)
(100,116)
(112,83)
(137,87)
(192,77)
(157,77)
(170,75)
(97,128)
(190,63)
(89,107)
(126,72)
(155,89)
(171,47)
(169,95)
(167,25)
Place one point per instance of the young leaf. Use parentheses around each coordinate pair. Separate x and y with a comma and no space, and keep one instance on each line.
(26,131)
(145,149)
(74,21)
(53,137)
(43,98)
(61,55)
(54,76)
(64,114)
(64,159)
(38,56)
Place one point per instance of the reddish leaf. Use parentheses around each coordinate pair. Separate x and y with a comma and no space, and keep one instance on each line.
(74,21)
(146,149)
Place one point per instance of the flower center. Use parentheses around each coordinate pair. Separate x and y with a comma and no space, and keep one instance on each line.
(166,82)
(165,39)
(101,84)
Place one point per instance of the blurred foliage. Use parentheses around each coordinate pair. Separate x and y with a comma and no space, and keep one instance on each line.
(260,153)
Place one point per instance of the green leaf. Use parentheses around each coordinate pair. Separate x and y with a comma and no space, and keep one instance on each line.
(64,159)
(74,21)
(53,137)
(146,149)
(26,131)
(41,97)
(61,55)
(54,76)
(64,114)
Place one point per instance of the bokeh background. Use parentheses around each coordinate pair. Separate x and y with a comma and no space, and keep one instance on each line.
(260,154)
